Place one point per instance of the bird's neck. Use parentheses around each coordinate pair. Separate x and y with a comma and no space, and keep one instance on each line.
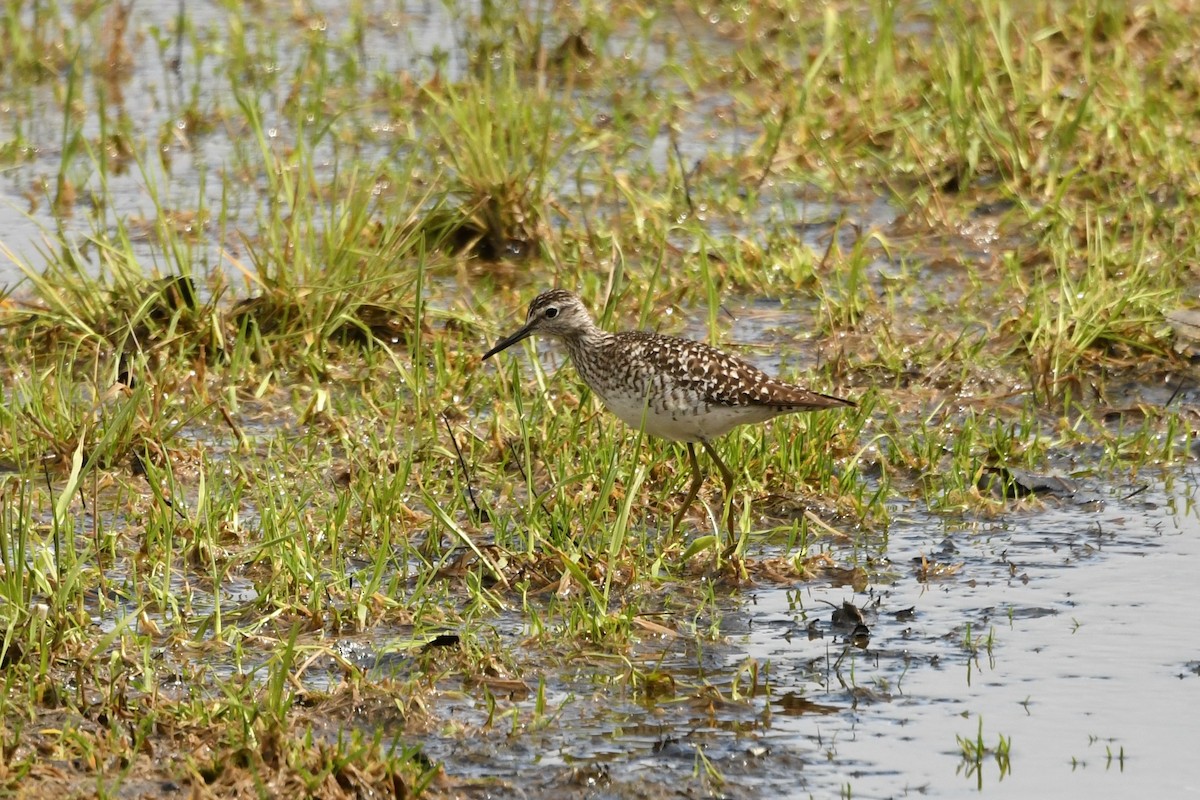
(587,343)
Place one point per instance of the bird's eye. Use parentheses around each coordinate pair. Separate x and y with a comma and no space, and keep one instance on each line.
(551,312)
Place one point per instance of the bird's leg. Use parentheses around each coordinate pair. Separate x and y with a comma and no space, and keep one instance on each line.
(727,476)
(697,479)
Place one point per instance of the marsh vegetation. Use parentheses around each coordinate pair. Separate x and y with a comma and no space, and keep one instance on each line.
(269,527)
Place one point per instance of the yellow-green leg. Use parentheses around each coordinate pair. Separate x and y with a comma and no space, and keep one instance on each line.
(693,490)
(727,476)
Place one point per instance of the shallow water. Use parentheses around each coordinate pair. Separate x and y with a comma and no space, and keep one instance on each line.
(1090,677)
(199,175)
(1089,611)
(187,171)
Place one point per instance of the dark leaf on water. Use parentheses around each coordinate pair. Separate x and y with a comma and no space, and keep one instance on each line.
(848,616)
(441,640)
(794,704)
(1012,482)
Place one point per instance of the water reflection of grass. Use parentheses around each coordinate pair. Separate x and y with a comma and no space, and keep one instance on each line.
(975,750)
(268,375)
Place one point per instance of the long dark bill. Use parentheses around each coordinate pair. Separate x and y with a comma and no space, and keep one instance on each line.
(509,341)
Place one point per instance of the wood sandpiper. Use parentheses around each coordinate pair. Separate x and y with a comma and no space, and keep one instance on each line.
(674,388)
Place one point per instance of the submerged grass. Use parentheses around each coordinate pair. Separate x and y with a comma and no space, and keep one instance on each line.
(256,428)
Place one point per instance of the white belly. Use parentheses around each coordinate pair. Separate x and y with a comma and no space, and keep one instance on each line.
(686,423)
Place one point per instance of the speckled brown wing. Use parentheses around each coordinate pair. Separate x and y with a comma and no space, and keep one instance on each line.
(721,379)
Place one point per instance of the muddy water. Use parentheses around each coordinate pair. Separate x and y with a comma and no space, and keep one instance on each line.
(1092,677)
(1092,655)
